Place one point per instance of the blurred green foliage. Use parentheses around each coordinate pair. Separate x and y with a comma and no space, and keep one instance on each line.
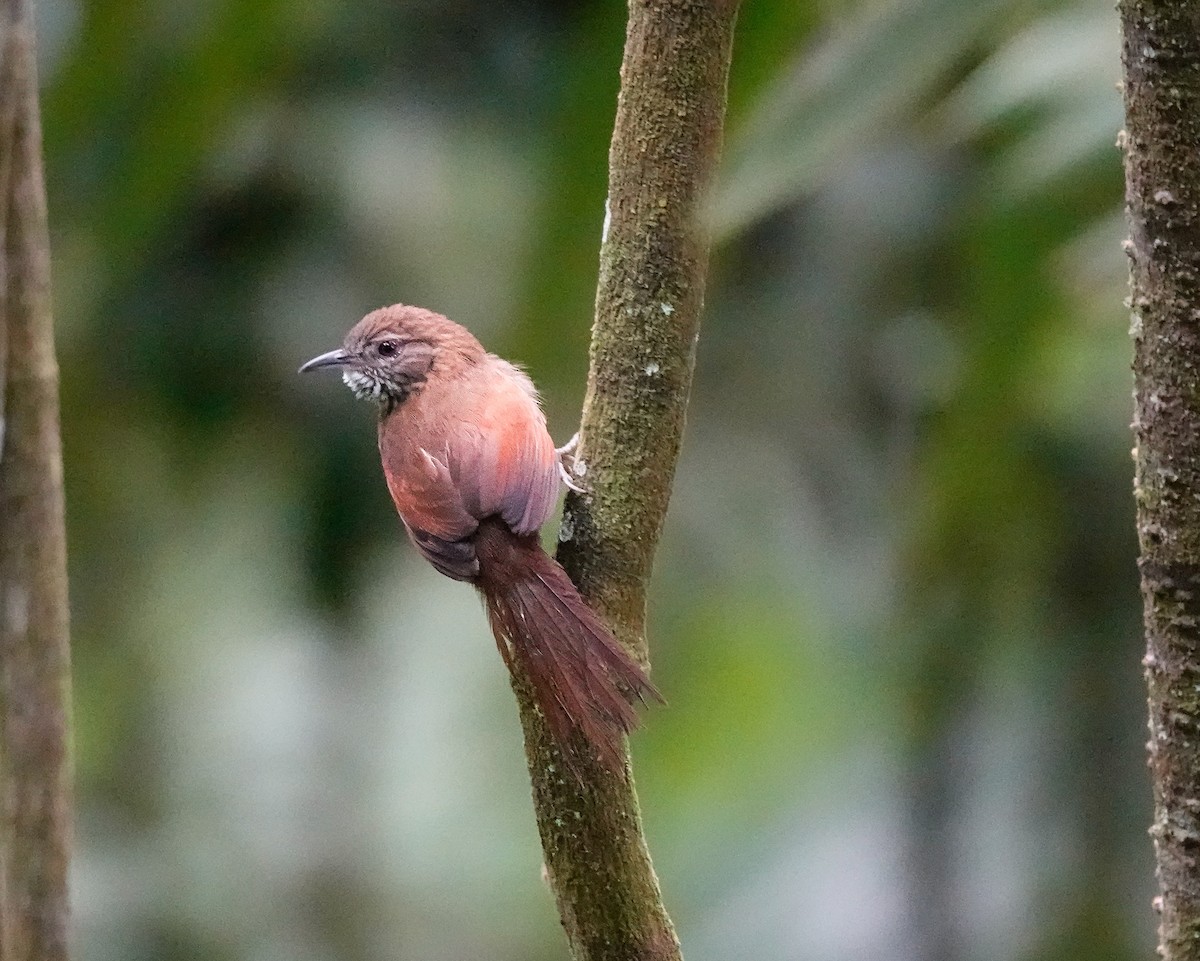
(895,609)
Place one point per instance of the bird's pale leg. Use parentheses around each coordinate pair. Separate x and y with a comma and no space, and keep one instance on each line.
(567,451)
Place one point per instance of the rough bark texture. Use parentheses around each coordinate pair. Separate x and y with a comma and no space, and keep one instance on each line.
(34,668)
(1161,57)
(653,262)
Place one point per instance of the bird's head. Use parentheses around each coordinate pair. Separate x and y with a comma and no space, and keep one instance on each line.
(392,352)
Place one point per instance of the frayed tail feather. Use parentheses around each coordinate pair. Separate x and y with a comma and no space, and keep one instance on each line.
(583,679)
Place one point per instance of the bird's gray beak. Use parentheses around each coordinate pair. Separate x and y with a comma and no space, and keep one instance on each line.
(334,358)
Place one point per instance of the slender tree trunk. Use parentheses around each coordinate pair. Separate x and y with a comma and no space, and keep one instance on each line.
(34,667)
(653,262)
(1161,57)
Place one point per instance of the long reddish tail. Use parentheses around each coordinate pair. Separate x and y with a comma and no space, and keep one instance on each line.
(582,677)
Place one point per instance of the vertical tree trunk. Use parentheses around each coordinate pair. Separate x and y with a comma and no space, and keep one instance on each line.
(653,262)
(34,666)
(1161,57)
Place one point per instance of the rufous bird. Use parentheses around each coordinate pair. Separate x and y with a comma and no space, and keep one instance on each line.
(474,475)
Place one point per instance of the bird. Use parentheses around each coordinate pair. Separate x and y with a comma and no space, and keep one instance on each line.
(474,474)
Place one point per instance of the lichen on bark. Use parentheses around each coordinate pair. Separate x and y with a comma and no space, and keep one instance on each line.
(1161,143)
(653,262)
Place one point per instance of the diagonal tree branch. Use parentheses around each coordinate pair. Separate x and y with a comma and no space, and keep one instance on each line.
(34,663)
(653,262)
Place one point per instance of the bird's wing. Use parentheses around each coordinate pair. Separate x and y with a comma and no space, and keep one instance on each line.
(504,461)
(431,507)
(498,459)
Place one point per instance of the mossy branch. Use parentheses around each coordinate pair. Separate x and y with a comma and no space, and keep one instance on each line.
(34,663)
(653,262)
(1161,50)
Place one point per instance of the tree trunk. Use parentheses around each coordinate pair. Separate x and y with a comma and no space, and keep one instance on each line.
(34,665)
(653,262)
(1161,55)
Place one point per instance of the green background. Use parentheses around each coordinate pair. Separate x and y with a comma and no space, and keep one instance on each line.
(895,610)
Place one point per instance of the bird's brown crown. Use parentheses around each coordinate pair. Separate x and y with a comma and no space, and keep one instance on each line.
(412,324)
(390,352)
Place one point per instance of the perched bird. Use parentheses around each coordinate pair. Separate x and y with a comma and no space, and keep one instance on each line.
(474,475)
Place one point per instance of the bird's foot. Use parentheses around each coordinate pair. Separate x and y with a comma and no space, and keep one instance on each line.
(569,480)
(569,446)
(566,454)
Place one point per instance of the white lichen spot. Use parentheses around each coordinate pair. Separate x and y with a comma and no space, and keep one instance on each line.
(666,308)
(16,608)
(565,532)
(652,369)
(579,468)
(1135,326)
(558,822)
(607,221)
(1164,197)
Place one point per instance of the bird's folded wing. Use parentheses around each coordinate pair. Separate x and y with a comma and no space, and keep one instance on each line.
(503,462)
(500,461)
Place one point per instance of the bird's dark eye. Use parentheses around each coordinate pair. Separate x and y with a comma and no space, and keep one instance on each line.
(387,348)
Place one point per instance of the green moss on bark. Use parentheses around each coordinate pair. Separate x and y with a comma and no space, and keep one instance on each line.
(653,262)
